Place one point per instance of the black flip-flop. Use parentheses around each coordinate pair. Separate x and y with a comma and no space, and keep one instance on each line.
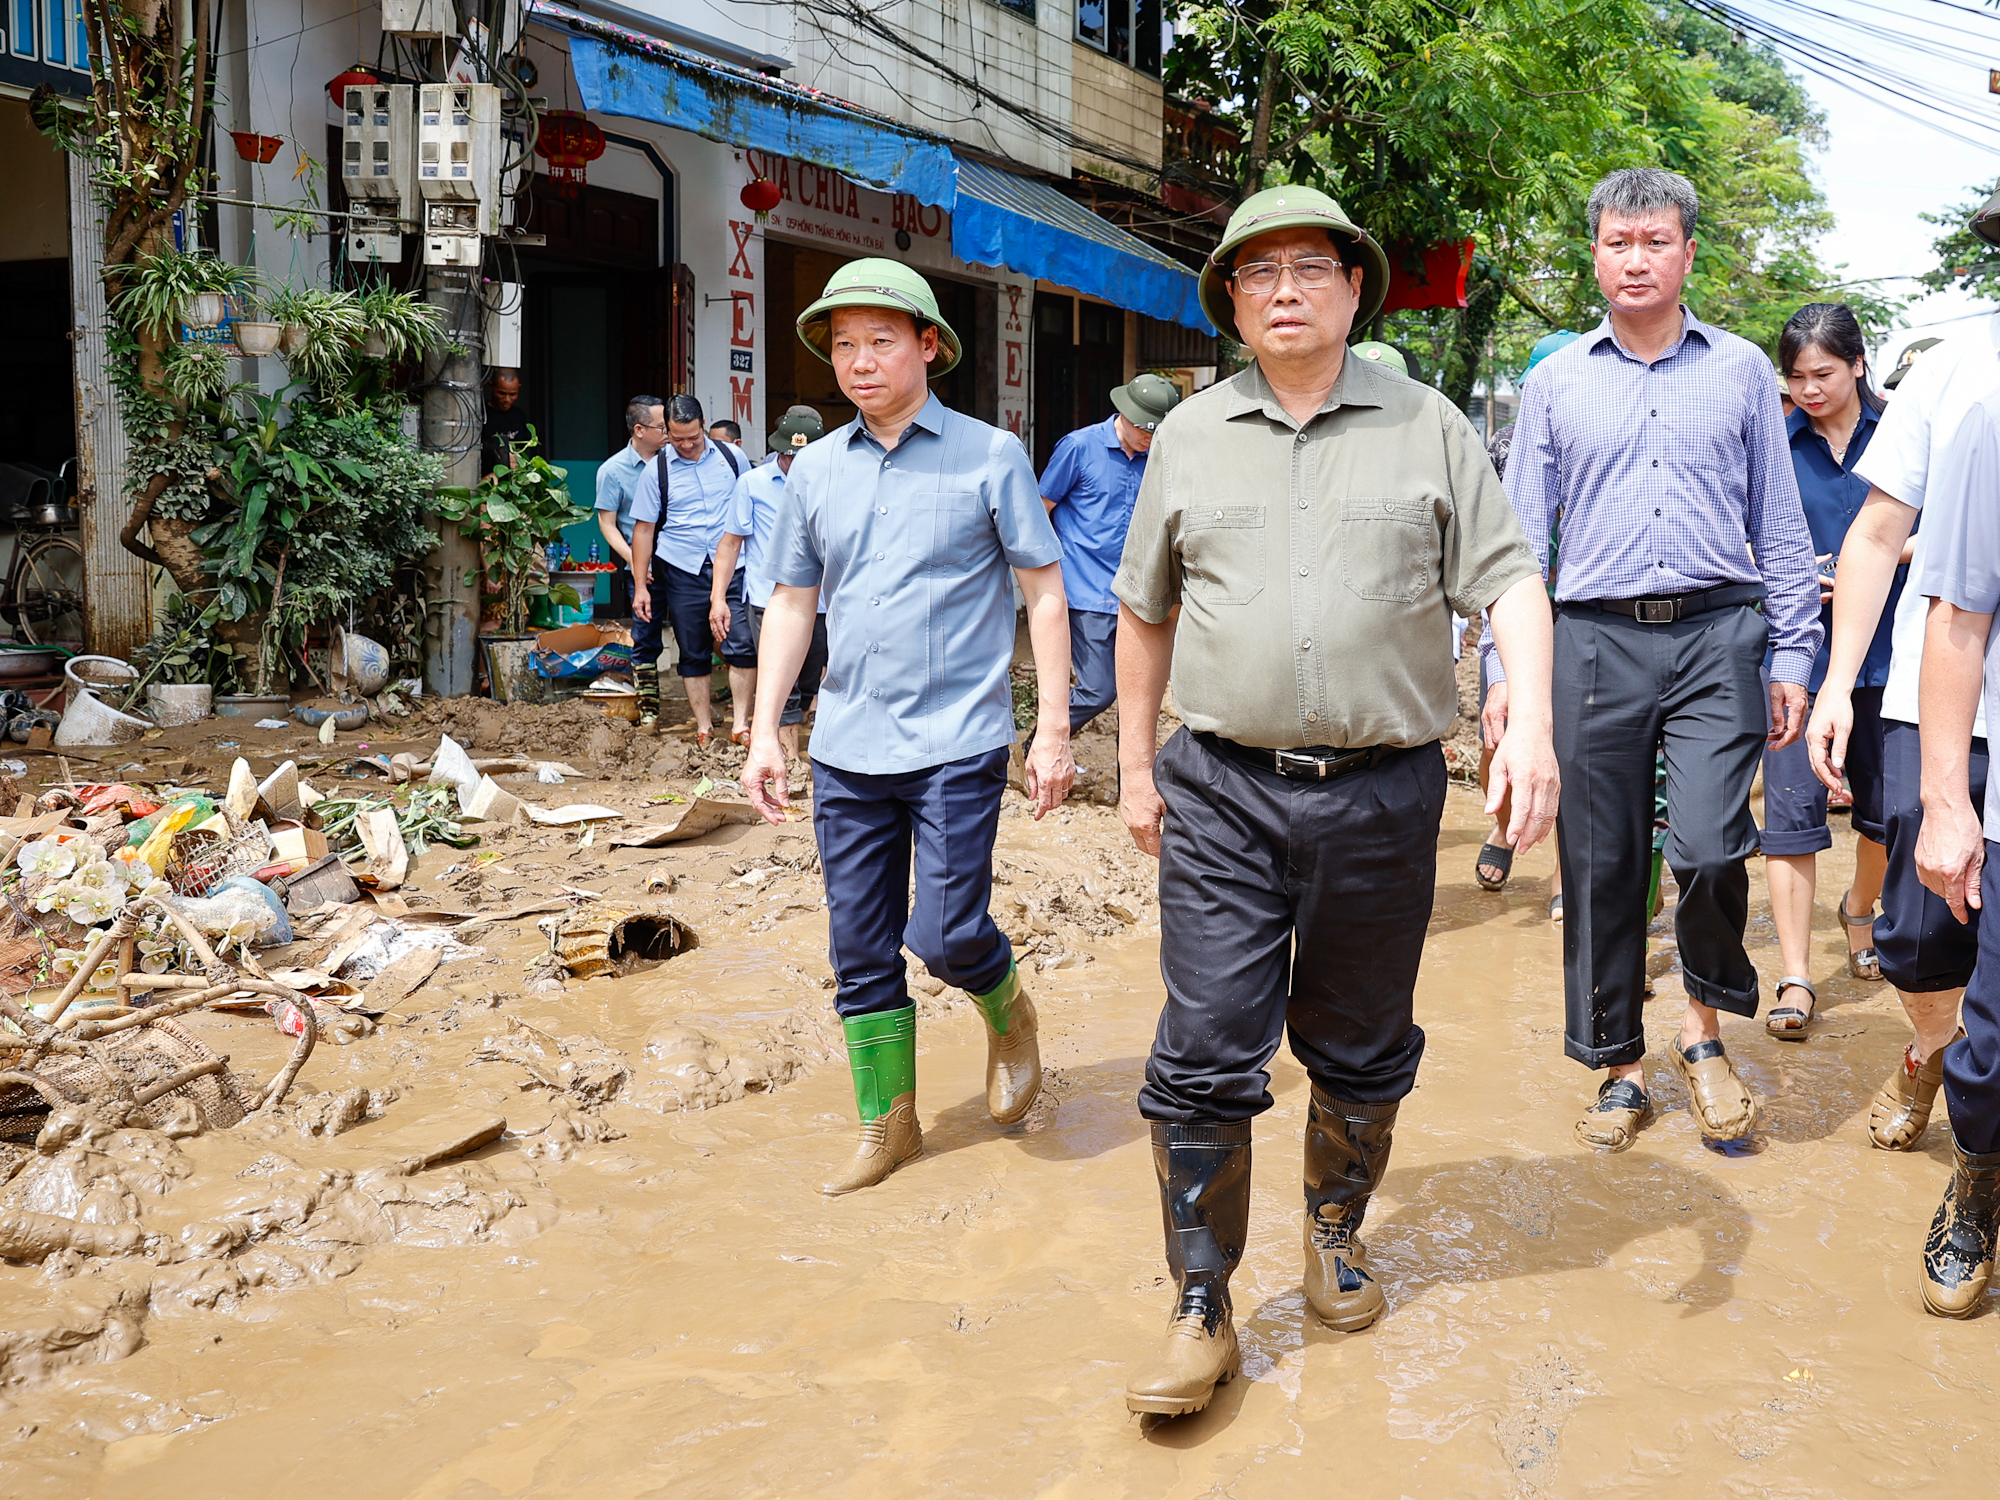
(1501,860)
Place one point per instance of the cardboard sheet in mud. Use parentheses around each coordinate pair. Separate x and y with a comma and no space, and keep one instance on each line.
(702,815)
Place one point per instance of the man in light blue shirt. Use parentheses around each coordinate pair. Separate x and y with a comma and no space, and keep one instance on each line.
(617,483)
(1658,440)
(673,544)
(753,510)
(1090,487)
(908,522)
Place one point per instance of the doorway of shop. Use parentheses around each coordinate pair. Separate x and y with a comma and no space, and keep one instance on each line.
(794,276)
(1079,357)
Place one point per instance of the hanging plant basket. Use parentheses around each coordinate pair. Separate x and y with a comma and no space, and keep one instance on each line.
(293,339)
(354,78)
(253,147)
(255,340)
(203,310)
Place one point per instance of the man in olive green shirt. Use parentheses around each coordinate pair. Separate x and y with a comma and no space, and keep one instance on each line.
(1303,532)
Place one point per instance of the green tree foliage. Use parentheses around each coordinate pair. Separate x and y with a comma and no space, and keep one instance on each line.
(1492,119)
(1965,260)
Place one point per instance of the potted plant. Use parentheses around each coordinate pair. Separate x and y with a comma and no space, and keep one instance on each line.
(516,511)
(256,338)
(396,325)
(178,286)
(185,663)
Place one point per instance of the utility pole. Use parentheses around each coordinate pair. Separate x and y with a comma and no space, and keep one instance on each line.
(454,414)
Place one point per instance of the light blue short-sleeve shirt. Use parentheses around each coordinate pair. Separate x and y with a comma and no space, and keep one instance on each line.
(1960,562)
(911,550)
(753,511)
(618,483)
(697,504)
(1094,483)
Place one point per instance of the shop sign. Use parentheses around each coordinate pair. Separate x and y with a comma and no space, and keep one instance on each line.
(819,205)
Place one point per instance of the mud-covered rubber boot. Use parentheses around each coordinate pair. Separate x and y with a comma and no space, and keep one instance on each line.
(1347,1150)
(1958,1253)
(882,1055)
(646,677)
(1204,1173)
(1013,1059)
(1901,1109)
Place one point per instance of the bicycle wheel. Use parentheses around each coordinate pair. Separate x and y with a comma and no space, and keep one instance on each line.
(47,604)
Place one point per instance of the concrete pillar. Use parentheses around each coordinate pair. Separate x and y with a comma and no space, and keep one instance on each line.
(454,413)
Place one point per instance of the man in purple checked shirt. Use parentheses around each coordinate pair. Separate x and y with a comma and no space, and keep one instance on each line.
(1685,555)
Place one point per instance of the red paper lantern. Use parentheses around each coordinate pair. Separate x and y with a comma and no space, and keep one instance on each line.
(353,78)
(568,141)
(760,195)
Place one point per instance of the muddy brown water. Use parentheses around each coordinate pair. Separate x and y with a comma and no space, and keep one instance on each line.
(635,1299)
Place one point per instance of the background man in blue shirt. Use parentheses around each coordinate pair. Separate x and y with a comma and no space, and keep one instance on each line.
(700,475)
(908,521)
(1659,441)
(617,483)
(753,510)
(1090,486)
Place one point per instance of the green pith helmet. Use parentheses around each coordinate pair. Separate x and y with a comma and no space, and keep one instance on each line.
(1381,354)
(799,425)
(1145,400)
(1292,208)
(878,283)
(1986,223)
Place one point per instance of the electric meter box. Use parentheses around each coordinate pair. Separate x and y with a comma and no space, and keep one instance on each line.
(419,18)
(458,146)
(378,169)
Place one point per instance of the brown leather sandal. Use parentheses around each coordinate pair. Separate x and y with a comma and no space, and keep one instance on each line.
(1724,1108)
(1614,1121)
(1901,1108)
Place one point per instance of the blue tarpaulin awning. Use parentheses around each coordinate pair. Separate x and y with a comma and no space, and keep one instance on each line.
(1004,219)
(998,218)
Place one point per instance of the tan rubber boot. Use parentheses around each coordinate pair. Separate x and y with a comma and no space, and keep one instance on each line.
(1013,1057)
(1958,1252)
(1901,1109)
(882,1055)
(1347,1151)
(1204,1177)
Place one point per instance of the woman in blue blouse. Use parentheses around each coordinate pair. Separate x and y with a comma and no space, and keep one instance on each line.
(1824,363)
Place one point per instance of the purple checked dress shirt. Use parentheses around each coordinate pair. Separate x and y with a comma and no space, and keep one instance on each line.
(1667,478)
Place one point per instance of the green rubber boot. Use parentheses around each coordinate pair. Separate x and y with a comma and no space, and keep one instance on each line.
(1013,1058)
(882,1055)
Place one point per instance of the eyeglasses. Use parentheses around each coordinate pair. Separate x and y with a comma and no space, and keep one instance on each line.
(1310,273)
(651,426)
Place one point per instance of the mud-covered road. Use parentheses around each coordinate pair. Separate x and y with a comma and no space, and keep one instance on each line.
(646,1296)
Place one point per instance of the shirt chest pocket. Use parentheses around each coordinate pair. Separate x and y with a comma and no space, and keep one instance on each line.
(1222,553)
(944,526)
(1388,548)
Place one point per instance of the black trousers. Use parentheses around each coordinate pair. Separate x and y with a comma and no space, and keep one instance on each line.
(1622,688)
(1289,908)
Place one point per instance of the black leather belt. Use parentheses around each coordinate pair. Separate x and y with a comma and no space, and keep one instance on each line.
(1667,608)
(1322,763)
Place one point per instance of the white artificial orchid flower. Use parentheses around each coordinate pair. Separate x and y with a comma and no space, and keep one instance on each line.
(87,905)
(46,857)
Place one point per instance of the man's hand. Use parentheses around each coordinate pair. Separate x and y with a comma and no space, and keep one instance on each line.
(1826,736)
(1140,805)
(763,777)
(1524,764)
(1788,714)
(1049,770)
(1493,715)
(719,618)
(1951,852)
(642,601)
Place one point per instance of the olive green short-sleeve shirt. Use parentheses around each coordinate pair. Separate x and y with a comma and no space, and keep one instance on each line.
(1316,567)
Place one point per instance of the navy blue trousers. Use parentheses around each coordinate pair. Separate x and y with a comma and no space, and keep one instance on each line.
(868,828)
(1093,645)
(1972,1065)
(684,601)
(1923,947)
